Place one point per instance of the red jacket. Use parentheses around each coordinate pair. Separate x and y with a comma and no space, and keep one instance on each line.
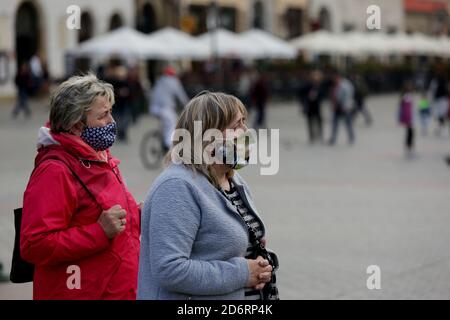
(60,229)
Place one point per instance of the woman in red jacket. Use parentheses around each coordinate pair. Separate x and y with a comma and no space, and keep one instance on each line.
(80,224)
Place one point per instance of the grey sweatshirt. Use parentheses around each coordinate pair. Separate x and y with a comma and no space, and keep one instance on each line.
(193,239)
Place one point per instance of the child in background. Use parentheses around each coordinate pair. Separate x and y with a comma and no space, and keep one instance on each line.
(406,118)
(424,112)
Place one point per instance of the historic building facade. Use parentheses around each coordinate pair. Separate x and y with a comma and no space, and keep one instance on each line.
(346,15)
(32,27)
(427,16)
(38,27)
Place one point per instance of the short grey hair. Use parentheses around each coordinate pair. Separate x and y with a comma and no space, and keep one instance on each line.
(72,100)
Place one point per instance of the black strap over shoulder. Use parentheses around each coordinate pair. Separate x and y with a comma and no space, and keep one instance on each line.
(21,270)
(76,177)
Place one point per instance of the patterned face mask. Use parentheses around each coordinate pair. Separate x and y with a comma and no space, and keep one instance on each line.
(236,152)
(100,138)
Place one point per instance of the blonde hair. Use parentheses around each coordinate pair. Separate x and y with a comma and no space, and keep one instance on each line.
(73,99)
(215,110)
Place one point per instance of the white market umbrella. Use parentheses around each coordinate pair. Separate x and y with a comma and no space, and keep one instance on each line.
(423,44)
(379,43)
(125,42)
(225,44)
(400,43)
(322,42)
(443,45)
(366,43)
(268,45)
(178,44)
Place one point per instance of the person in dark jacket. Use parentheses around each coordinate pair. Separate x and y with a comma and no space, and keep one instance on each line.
(440,103)
(23,83)
(117,75)
(260,95)
(406,118)
(311,96)
(360,95)
(136,93)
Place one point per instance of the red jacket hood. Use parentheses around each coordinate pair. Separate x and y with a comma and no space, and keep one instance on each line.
(70,143)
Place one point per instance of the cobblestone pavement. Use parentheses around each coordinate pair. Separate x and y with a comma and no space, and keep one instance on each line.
(330,211)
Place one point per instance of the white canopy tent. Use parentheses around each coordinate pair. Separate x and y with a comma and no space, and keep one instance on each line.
(226,44)
(172,44)
(366,43)
(268,45)
(125,42)
(371,43)
(178,45)
(425,45)
(400,44)
(443,45)
(321,42)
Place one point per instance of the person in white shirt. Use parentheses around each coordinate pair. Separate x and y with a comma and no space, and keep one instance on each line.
(36,67)
(167,91)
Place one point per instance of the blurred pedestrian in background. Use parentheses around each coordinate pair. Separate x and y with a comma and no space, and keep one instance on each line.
(360,95)
(117,75)
(245,86)
(4,277)
(37,74)
(439,93)
(260,96)
(311,97)
(166,94)
(86,219)
(406,118)
(448,108)
(447,158)
(342,98)
(136,96)
(424,112)
(24,83)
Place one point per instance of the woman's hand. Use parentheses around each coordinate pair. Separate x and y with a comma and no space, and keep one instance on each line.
(113,221)
(264,241)
(260,273)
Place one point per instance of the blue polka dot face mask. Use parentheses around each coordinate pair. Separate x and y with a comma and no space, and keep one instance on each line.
(100,138)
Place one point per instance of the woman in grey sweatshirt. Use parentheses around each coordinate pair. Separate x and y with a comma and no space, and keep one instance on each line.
(196,242)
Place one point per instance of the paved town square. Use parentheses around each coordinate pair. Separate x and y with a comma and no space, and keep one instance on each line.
(331,212)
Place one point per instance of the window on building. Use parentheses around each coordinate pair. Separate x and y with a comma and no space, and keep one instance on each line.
(200,15)
(440,22)
(227,18)
(294,22)
(325,19)
(258,15)
(87,27)
(347,27)
(392,29)
(27,32)
(146,19)
(115,22)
